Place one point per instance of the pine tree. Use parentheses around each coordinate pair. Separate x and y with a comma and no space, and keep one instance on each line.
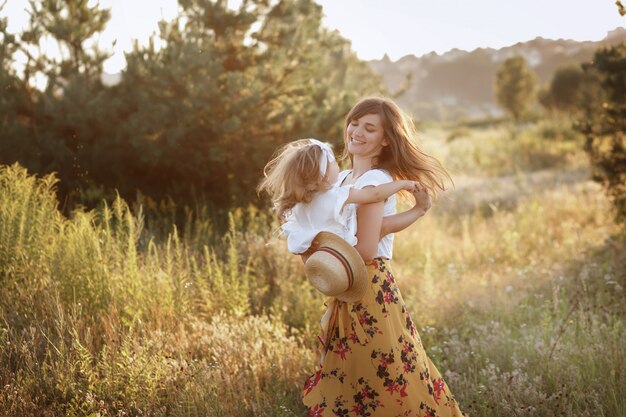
(604,122)
(565,88)
(14,101)
(62,122)
(196,117)
(205,112)
(515,86)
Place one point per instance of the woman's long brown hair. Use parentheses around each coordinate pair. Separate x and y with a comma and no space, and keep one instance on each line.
(403,156)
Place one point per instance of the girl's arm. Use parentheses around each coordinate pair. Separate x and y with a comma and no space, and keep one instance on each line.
(400,221)
(374,194)
(369,218)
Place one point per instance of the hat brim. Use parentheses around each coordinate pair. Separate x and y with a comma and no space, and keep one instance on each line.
(359,284)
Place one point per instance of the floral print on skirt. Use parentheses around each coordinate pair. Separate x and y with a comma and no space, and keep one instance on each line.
(372,359)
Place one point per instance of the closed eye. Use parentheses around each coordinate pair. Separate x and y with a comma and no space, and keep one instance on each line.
(368,126)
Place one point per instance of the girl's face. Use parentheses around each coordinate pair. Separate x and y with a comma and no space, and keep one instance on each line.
(365,136)
(332,172)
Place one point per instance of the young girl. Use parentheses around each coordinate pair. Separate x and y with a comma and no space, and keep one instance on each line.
(301,181)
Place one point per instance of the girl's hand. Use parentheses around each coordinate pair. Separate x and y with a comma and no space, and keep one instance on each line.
(422,198)
(411,186)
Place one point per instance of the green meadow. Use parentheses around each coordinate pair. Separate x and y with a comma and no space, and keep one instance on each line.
(515,279)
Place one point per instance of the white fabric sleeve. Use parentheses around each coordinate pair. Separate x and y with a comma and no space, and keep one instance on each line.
(290,226)
(298,239)
(373,177)
(342,176)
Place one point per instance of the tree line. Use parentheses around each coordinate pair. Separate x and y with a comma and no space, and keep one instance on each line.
(594,95)
(194,119)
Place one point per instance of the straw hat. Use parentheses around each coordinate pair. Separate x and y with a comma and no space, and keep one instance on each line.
(336,269)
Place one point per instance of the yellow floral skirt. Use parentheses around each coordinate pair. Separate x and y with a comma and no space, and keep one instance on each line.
(372,359)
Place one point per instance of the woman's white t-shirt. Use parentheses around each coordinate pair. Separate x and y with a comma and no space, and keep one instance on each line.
(376,177)
(326,212)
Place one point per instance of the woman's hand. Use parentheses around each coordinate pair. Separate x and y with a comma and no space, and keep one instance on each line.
(422,198)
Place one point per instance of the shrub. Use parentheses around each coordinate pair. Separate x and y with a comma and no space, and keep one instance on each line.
(604,123)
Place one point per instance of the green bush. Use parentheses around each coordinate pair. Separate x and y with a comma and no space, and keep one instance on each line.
(604,123)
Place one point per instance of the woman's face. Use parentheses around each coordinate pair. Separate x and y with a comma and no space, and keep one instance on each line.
(365,136)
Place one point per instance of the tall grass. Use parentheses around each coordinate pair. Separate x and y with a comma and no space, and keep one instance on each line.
(525,308)
(98,317)
(519,304)
(490,150)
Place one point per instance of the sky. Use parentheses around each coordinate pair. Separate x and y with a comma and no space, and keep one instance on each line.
(393,27)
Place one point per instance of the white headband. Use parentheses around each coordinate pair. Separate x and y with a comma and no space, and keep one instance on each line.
(327,154)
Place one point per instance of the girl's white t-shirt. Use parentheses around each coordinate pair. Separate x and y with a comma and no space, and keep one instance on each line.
(326,212)
(376,177)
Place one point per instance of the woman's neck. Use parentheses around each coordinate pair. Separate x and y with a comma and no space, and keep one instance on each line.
(361,165)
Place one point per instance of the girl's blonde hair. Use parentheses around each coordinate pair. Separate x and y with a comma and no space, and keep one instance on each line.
(403,157)
(293,176)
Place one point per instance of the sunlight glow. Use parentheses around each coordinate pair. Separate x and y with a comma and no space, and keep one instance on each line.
(394,27)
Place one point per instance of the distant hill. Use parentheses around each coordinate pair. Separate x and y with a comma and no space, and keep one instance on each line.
(459,84)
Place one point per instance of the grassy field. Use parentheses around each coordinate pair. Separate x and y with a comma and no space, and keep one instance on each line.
(515,280)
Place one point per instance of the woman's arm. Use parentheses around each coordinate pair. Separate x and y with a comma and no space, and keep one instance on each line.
(400,221)
(369,219)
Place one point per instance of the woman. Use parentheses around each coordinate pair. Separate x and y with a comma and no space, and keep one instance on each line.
(373,362)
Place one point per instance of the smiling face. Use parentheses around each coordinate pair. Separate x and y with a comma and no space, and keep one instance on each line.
(365,136)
